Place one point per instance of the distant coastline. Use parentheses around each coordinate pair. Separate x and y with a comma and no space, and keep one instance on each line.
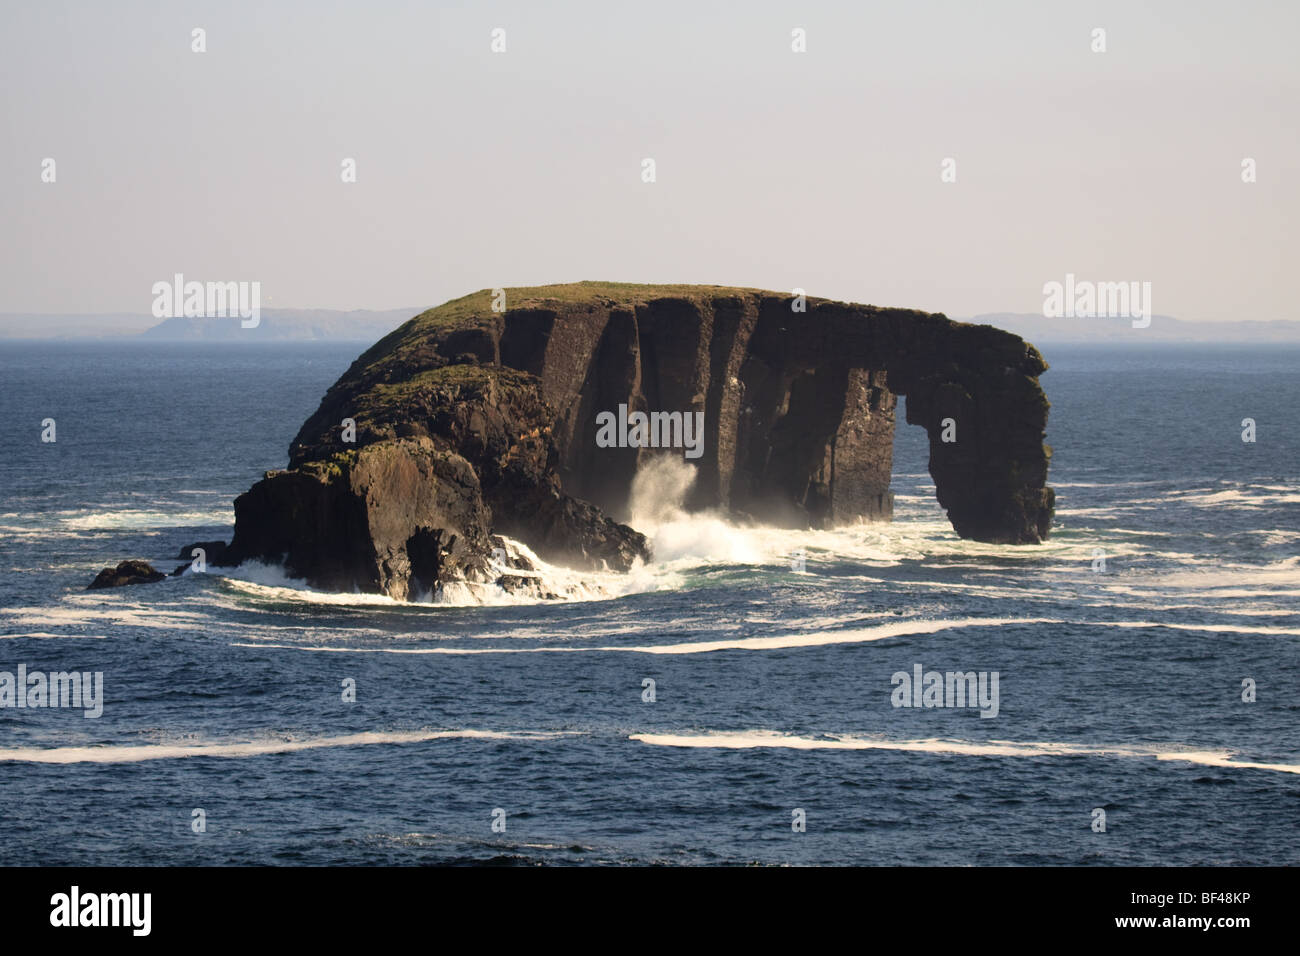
(367,325)
(1164,329)
(277,325)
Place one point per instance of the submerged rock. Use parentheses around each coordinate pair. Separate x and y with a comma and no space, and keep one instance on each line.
(467,422)
(127,572)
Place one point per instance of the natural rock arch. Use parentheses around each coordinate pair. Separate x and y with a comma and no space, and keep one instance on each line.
(471,422)
(799,407)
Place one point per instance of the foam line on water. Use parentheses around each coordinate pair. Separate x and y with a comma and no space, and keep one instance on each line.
(83,610)
(46,635)
(130,519)
(964,748)
(1200,628)
(901,628)
(907,627)
(135,753)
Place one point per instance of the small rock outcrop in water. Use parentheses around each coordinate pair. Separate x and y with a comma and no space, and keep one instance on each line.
(127,572)
(213,551)
(470,422)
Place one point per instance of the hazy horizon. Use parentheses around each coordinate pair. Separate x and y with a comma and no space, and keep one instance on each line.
(819,170)
(369,325)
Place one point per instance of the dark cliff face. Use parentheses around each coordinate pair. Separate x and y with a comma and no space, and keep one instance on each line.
(470,421)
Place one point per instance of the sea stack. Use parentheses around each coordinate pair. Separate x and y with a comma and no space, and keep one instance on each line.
(480,417)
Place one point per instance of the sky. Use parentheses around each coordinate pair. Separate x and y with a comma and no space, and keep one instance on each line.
(820,170)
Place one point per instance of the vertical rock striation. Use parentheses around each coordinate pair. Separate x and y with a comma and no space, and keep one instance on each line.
(470,422)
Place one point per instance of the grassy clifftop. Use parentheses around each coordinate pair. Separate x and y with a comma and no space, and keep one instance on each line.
(475,310)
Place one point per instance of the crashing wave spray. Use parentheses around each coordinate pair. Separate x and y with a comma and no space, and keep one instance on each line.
(658,510)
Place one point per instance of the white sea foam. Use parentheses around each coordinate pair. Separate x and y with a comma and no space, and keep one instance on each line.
(903,627)
(135,520)
(682,544)
(78,522)
(1202,628)
(135,753)
(1214,580)
(1251,498)
(813,638)
(1104,484)
(683,540)
(993,748)
(1237,496)
(657,509)
(44,634)
(821,638)
(269,583)
(89,609)
(690,547)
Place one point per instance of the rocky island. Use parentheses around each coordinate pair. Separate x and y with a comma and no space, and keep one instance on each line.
(480,417)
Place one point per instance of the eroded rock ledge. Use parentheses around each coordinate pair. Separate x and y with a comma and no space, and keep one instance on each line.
(471,422)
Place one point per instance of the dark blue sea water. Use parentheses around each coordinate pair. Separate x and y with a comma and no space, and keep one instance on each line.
(1118,689)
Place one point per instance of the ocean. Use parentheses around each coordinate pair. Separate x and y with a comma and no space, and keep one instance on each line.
(1148,685)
